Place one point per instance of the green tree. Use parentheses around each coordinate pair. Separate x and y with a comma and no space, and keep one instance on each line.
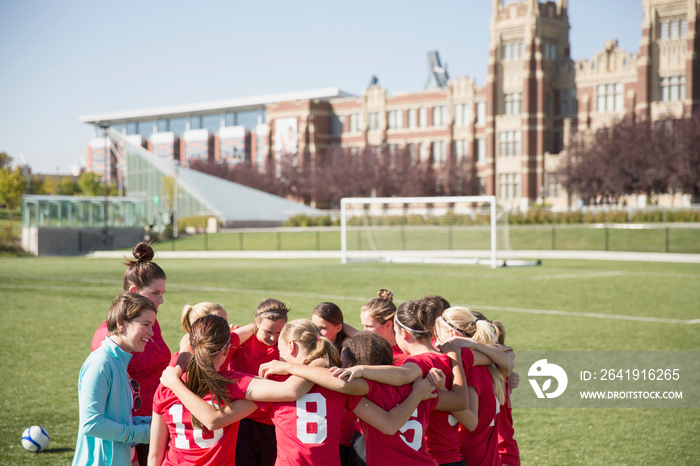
(12,184)
(91,184)
(67,186)
(50,185)
(5,159)
(167,193)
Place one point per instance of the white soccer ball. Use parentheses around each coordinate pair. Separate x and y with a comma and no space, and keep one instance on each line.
(35,439)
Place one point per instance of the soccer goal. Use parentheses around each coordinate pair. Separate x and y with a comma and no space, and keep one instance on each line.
(450,229)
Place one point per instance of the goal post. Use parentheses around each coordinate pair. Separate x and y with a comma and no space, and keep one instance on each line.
(447,229)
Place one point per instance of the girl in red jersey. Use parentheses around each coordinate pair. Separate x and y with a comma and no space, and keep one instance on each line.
(145,278)
(179,438)
(308,430)
(256,344)
(507,445)
(329,319)
(479,423)
(406,447)
(377,316)
(413,323)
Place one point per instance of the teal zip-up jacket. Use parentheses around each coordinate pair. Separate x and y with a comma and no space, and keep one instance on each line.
(107,429)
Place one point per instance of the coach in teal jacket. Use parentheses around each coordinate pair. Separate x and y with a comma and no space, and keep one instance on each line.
(107,429)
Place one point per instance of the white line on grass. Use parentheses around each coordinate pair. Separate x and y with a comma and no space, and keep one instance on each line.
(362,299)
(575,275)
(587,314)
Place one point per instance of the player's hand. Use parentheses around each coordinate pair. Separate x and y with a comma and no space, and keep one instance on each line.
(171,376)
(233,327)
(513,380)
(424,388)
(448,346)
(461,342)
(437,378)
(348,373)
(273,368)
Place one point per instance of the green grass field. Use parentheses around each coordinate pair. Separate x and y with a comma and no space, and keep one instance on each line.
(51,307)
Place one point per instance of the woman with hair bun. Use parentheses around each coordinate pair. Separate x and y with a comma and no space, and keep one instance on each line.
(377,316)
(143,277)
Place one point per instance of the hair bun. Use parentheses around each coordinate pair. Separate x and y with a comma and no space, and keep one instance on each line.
(385,294)
(143,252)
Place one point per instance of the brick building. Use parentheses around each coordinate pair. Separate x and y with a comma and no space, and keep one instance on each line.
(514,127)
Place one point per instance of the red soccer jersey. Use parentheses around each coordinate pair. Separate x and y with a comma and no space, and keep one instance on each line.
(145,367)
(399,356)
(308,430)
(190,445)
(407,446)
(507,446)
(442,435)
(480,447)
(247,358)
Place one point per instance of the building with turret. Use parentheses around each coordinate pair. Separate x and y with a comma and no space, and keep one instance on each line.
(513,128)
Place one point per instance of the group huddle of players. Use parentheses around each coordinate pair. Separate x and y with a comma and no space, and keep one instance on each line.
(423,383)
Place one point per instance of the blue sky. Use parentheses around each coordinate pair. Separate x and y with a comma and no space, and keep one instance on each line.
(59,60)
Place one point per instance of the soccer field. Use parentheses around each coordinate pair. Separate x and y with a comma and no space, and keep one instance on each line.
(52,306)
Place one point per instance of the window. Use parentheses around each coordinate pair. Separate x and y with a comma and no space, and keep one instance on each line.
(439,154)
(512,103)
(374,121)
(440,115)
(673,29)
(462,114)
(423,151)
(395,119)
(211,122)
(195,122)
(509,143)
(412,118)
(672,88)
(459,115)
(146,129)
(480,150)
(422,117)
(508,186)
(568,105)
(460,149)
(337,124)
(481,112)
(163,126)
(356,123)
(513,50)
(549,50)
(610,98)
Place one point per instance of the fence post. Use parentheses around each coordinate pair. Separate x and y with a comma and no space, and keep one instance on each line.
(240,241)
(667,239)
(403,238)
(318,240)
(279,241)
(206,241)
(606,237)
(554,237)
(449,237)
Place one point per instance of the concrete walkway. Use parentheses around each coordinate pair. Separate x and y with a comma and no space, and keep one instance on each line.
(534,255)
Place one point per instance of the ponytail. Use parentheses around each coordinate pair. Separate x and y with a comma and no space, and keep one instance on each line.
(306,334)
(209,336)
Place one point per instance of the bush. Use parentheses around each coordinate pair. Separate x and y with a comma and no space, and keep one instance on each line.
(303,220)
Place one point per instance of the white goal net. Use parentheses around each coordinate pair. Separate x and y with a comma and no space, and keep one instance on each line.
(457,229)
